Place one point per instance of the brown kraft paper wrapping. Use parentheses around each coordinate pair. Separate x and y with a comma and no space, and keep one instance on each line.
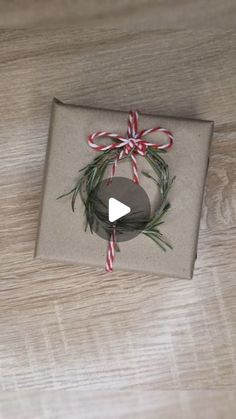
(61,234)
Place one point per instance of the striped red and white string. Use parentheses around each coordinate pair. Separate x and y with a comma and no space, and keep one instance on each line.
(111,251)
(130,146)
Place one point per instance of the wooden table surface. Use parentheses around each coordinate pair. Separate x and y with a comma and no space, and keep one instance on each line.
(126,346)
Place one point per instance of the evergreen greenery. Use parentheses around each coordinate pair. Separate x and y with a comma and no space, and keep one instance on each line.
(93,174)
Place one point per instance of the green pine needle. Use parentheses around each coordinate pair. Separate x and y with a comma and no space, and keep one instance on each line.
(93,174)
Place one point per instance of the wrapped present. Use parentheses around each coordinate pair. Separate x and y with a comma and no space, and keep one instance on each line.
(149,150)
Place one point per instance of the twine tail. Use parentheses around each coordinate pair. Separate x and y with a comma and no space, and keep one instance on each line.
(111,252)
(135,168)
(114,165)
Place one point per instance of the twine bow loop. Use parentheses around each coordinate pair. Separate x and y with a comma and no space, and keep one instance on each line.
(133,144)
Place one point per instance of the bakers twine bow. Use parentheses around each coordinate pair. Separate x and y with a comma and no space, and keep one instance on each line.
(130,145)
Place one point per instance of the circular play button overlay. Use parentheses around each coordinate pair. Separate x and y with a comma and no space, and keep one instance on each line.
(121,204)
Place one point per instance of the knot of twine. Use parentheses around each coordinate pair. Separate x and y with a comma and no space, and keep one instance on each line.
(130,145)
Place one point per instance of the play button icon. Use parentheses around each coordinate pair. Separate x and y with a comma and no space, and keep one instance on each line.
(117,209)
(119,204)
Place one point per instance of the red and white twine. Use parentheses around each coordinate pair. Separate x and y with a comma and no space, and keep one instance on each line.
(111,251)
(133,144)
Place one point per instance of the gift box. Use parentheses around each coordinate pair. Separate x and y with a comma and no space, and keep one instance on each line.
(61,232)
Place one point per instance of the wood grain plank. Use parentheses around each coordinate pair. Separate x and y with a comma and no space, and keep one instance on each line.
(65,326)
(188,14)
(125,404)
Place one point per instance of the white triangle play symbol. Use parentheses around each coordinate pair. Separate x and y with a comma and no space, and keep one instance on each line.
(117,209)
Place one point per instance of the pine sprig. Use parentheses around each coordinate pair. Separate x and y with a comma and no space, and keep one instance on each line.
(164,183)
(92,174)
